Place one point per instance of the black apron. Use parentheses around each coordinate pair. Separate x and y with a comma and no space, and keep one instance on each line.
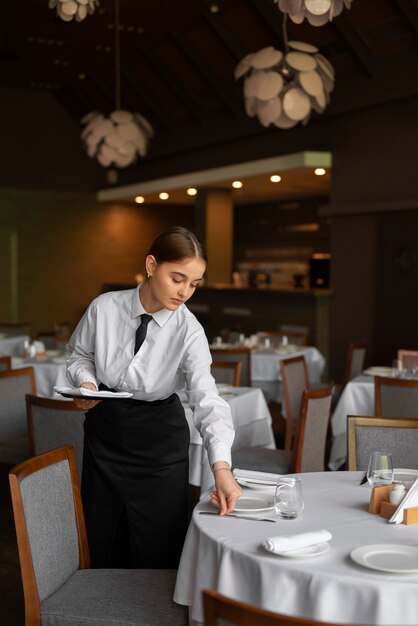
(134,482)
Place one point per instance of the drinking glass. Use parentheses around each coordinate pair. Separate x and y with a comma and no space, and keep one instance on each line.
(380,470)
(288,497)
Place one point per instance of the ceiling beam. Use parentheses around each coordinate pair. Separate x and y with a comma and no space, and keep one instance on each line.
(146,97)
(224,34)
(410,14)
(185,98)
(222,90)
(356,43)
(272,17)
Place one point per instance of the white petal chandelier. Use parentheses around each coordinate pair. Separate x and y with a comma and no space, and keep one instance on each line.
(73,9)
(283,88)
(123,136)
(317,12)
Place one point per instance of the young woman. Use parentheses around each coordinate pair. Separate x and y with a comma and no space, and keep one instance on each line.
(135,464)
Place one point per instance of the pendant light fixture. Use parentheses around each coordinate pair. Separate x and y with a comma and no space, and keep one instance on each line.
(317,12)
(68,10)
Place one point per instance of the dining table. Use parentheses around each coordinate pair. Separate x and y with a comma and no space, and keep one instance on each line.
(228,555)
(49,370)
(14,345)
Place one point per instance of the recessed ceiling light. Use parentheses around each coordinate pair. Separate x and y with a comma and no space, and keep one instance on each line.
(319,171)
(237,184)
(275,178)
(139,199)
(163,195)
(192,191)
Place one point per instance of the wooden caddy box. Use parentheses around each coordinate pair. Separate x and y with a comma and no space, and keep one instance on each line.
(380,505)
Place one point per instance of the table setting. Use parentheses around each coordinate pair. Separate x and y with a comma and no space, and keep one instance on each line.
(332,561)
(50,370)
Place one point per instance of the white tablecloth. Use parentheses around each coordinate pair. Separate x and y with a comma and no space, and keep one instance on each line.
(47,374)
(356,399)
(13,346)
(265,369)
(252,421)
(227,555)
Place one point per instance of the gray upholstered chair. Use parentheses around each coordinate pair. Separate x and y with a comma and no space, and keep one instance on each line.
(15,330)
(395,396)
(408,359)
(355,360)
(5,363)
(225,372)
(59,586)
(47,337)
(294,376)
(14,441)
(241,354)
(309,451)
(395,435)
(54,423)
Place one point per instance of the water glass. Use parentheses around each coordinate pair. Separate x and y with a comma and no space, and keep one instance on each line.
(380,470)
(288,500)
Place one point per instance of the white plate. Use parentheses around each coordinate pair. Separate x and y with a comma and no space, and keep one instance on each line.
(255,486)
(224,388)
(379,371)
(404,475)
(393,558)
(254,504)
(305,553)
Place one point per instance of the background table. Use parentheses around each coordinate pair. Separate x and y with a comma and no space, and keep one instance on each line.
(48,373)
(13,346)
(356,399)
(265,369)
(252,421)
(227,555)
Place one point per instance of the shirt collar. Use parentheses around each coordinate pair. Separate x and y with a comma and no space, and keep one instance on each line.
(161,317)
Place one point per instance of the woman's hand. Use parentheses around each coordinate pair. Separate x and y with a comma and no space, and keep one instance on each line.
(86,404)
(227,489)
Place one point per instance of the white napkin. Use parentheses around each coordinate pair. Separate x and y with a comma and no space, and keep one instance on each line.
(302,540)
(262,478)
(77,392)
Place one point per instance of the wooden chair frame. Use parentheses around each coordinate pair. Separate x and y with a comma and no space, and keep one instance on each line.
(21,372)
(230,365)
(51,403)
(217,606)
(290,418)
(240,350)
(16,326)
(407,353)
(16,475)
(353,346)
(277,334)
(7,360)
(309,394)
(380,381)
(371,420)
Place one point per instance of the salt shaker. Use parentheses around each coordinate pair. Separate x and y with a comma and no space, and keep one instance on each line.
(397,493)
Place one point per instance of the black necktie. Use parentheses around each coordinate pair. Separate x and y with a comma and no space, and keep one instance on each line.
(141,331)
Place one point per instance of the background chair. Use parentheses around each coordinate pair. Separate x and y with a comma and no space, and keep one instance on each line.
(227,372)
(276,337)
(5,363)
(15,330)
(59,588)
(241,354)
(354,365)
(222,611)
(55,423)
(395,396)
(408,359)
(394,435)
(14,441)
(294,376)
(309,452)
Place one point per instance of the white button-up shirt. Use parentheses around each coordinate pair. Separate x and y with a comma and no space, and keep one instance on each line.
(175,355)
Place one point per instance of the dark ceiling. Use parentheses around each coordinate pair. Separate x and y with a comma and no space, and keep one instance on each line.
(178,58)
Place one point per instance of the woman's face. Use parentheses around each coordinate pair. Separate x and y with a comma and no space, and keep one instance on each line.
(171,283)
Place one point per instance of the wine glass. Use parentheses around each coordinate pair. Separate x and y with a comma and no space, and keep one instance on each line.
(288,500)
(380,469)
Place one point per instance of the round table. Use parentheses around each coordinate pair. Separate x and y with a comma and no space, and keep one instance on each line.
(227,555)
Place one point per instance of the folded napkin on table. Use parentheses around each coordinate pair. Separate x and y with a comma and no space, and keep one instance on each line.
(264,478)
(302,540)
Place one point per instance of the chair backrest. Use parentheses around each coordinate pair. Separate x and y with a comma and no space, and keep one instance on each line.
(408,359)
(294,377)
(14,330)
(5,363)
(227,372)
(241,354)
(354,365)
(276,337)
(222,611)
(61,341)
(395,396)
(54,423)
(310,444)
(395,435)
(50,527)
(47,338)
(14,385)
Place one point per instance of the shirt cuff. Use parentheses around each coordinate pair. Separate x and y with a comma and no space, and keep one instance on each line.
(219,452)
(86,378)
